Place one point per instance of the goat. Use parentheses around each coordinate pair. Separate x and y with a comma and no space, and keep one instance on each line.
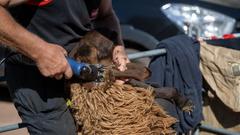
(108,108)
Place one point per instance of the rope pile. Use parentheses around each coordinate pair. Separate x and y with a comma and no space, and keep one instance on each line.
(118,110)
(108,108)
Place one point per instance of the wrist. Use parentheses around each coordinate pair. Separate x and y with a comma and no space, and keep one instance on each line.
(28,43)
(37,49)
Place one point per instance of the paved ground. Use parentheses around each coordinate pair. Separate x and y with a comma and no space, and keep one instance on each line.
(8,113)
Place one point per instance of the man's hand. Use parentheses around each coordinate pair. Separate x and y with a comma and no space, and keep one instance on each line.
(120,59)
(52,61)
(50,58)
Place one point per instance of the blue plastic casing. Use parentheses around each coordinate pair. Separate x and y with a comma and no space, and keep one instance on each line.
(76,66)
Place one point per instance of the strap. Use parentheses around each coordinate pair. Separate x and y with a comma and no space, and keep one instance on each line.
(39,3)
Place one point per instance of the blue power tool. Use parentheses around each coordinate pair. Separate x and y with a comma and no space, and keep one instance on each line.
(86,72)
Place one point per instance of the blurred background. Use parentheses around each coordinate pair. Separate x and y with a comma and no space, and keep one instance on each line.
(146,22)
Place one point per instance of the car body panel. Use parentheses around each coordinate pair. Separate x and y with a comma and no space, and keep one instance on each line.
(146,16)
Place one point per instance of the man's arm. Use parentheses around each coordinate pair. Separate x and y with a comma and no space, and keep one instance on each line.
(108,19)
(9,3)
(50,58)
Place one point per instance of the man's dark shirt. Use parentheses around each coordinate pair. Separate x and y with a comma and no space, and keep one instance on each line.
(60,22)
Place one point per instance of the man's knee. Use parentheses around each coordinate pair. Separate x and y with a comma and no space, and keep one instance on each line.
(50,117)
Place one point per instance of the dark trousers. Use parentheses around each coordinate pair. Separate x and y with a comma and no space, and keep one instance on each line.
(39,100)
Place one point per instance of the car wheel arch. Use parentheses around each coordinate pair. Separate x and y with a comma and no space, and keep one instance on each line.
(139,37)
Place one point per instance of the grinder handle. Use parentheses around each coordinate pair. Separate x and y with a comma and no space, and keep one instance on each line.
(76,66)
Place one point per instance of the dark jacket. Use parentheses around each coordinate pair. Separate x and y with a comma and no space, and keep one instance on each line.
(179,68)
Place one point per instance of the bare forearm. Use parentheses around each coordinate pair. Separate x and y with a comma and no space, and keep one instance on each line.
(51,63)
(9,3)
(14,35)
